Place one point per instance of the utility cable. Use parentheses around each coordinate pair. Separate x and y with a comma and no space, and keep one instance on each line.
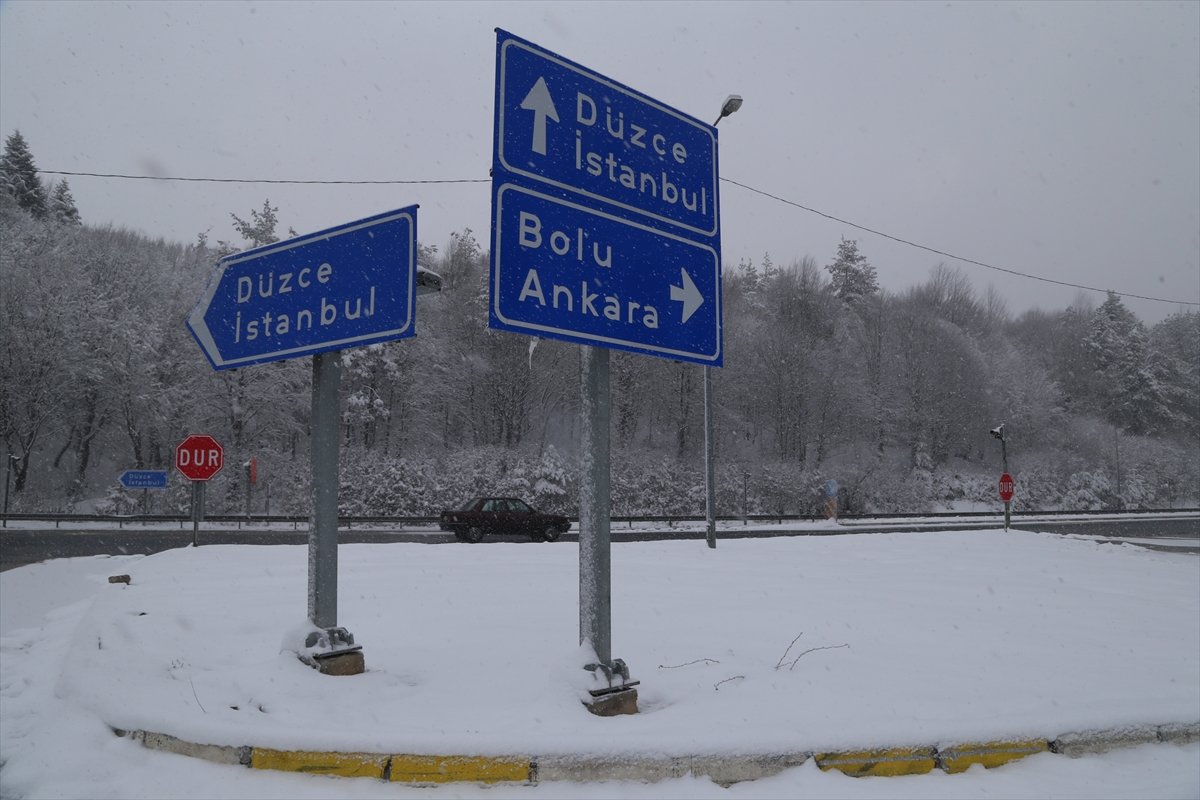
(777,198)
(951,255)
(251,180)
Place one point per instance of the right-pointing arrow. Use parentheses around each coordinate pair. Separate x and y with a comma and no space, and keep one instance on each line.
(688,294)
(541,104)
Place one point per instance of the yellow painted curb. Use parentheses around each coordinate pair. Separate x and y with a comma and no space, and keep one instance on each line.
(447,769)
(890,761)
(960,757)
(347,765)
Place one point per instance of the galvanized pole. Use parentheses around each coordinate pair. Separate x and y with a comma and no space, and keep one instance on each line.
(710,483)
(197,509)
(1007,503)
(731,104)
(595,576)
(322,532)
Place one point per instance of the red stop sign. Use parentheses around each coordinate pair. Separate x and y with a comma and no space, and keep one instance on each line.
(1006,487)
(199,457)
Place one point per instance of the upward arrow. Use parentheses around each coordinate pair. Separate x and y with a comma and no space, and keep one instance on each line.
(542,105)
(689,294)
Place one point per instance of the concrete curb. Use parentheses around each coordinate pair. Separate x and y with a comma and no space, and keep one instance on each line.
(721,769)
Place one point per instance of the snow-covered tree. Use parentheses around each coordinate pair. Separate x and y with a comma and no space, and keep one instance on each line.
(1175,344)
(852,275)
(19,176)
(62,205)
(1129,390)
(260,229)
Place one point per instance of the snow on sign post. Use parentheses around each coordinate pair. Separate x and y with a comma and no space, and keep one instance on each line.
(199,457)
(347,286)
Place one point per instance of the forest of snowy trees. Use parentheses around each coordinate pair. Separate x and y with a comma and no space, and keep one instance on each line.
(826,375)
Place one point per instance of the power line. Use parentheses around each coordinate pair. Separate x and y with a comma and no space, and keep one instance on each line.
(253,180)
(777,198)
(951,255)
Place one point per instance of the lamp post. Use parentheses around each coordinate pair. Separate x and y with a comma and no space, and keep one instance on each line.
(731,104)
(998,433)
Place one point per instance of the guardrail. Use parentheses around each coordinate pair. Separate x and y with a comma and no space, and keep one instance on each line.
(120,520)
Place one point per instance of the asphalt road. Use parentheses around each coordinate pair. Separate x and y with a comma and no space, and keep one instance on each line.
(20,546)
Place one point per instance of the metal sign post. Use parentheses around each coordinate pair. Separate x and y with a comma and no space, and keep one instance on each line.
(322,532)
(605,233)
(595,574)
(315,295)
(197,510)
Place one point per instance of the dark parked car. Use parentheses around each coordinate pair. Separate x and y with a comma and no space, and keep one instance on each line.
(503,515)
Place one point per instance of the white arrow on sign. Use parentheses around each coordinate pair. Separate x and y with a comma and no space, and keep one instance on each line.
(688,293)
(541,104)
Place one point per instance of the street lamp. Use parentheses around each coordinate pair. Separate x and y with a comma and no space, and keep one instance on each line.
(998,433)
(731,104)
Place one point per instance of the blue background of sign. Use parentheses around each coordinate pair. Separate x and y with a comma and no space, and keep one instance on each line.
(645,278)
(377,252)
(144,479)
(651,239)
(521,64)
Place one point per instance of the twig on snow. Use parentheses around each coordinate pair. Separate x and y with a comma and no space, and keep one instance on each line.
(697,661)
(717,685)
(789,649)
(811,650)
(202,708)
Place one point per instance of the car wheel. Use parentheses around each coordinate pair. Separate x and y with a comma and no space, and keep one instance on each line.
(551,534)
(474,534)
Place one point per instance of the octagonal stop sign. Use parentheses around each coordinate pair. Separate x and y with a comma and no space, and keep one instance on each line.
(199,457)
(1006,487)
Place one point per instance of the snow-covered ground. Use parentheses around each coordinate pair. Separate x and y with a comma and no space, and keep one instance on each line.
(914,639)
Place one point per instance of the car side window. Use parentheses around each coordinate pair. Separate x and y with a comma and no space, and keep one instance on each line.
(491,505)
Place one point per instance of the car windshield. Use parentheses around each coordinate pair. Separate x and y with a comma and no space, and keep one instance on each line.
(470,504)
(519,505)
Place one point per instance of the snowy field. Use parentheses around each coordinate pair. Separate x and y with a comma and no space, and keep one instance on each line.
(912,639)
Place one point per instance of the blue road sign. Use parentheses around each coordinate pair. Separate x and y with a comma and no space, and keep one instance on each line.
(144,479)
(605,212)
(610,281)
(346,286)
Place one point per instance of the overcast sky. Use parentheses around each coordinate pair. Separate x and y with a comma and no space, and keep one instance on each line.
(1056,139)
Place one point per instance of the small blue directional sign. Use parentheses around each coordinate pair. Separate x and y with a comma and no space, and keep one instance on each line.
(144,479)
(346,286)
(605,212)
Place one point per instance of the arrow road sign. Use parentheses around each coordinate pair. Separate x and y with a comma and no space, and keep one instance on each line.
(605,220)
(346,286)
(144,479)
(565,271)
(541,104)
(563,126)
